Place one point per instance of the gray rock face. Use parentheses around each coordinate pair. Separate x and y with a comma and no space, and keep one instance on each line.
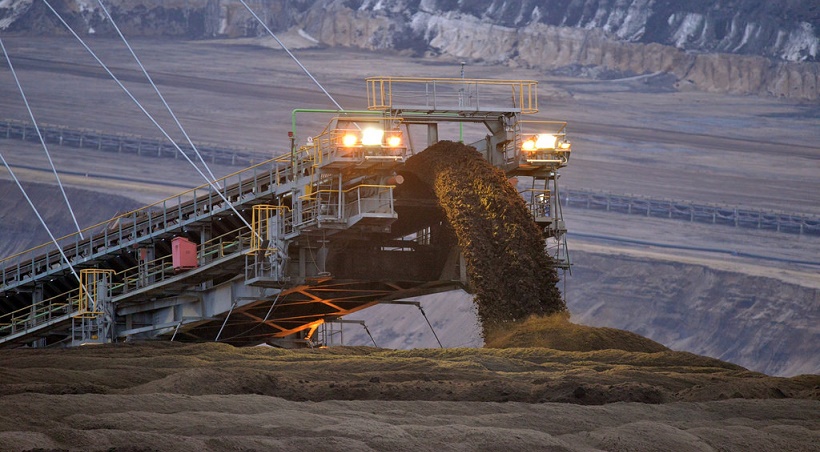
(782,29)
(625,37)
(748,320)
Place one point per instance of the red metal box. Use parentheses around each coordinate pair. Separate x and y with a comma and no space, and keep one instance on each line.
(183,253)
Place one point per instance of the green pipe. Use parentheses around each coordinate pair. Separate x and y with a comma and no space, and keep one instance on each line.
(319,110)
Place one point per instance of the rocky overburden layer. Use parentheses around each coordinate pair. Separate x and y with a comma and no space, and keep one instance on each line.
(781,29)
(551,45)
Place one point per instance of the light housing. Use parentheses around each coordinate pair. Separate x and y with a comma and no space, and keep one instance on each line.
(372,136)
(394,141)
(528,145)
(545,141)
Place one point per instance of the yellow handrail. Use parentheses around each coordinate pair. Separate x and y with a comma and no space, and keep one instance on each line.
(23,315)
(156,266)
(261,224)
(368,186)
(381,94)
(88,305)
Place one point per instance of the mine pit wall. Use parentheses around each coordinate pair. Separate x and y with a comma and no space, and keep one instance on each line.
(765,324)
(547,48)
(464,36)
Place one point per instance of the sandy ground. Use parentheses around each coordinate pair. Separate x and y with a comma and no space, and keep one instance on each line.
(256,422)
(166,396)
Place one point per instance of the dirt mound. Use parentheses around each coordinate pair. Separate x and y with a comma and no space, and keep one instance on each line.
(170,396)
(503,247)
(558,333)
(529,375)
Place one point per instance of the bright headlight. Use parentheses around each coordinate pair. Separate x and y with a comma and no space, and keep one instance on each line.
(545,141)
(372,136)
(528,145)
(394,141)
(349,140)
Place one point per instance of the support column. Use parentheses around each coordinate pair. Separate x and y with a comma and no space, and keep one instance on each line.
(37,296)
(205,235)
(107,320)
(432,134)
(145,255)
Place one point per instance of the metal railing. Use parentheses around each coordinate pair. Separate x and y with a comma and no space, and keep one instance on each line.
(143,224)
(264,227)
(451,94)
(159,269)
(369,199)
(120,143)
(321,205)
(697,213)
(538,201)
(95,285)
(40,313)
(328,145)
(74,303)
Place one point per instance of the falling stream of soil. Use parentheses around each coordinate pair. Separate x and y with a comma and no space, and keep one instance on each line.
(507,264)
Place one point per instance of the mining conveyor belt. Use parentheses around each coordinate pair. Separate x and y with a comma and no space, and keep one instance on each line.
(278,248)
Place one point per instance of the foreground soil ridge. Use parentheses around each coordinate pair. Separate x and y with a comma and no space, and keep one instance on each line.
(210,396)
(631,369)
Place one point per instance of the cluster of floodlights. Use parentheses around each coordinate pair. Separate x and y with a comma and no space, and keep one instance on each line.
(372,136)
(545,142)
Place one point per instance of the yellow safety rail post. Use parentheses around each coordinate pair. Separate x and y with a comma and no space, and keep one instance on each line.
(93,282)
(261,222)
(377,98)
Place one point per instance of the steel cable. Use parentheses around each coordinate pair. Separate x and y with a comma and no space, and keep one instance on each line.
(42,140)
